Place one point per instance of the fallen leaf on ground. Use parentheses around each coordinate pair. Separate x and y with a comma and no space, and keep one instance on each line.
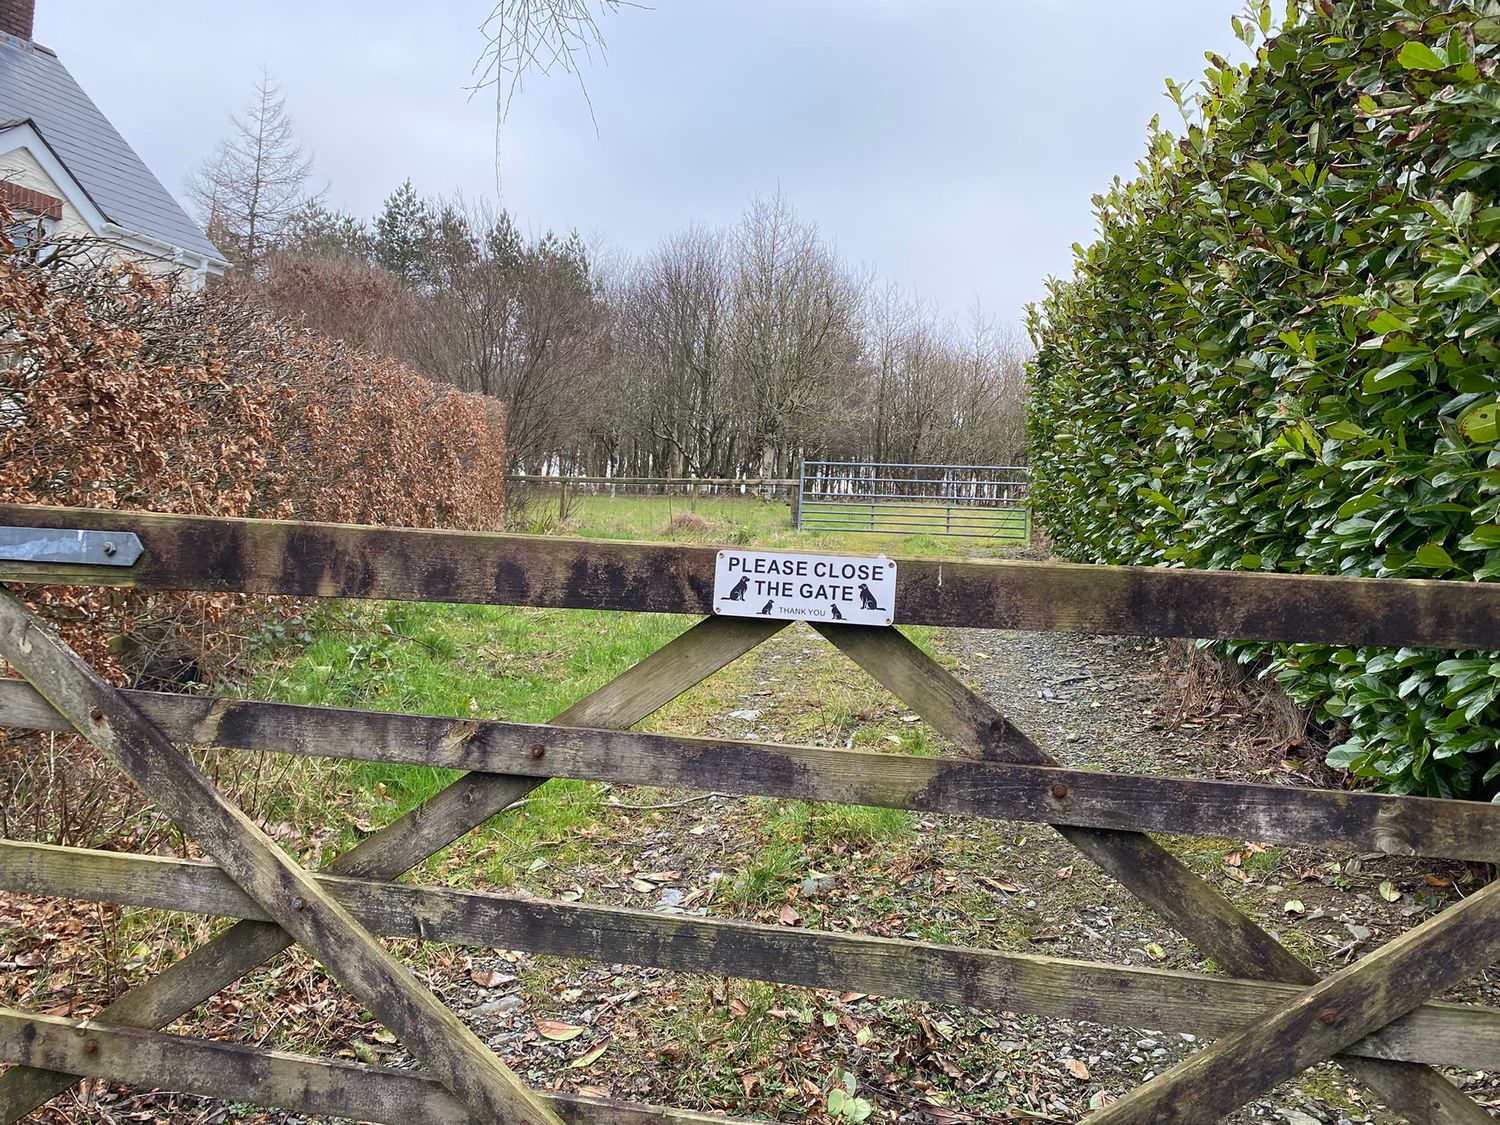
(1077,1068)
(490,978)
(1389,891)
(589,1058)
(556,1031)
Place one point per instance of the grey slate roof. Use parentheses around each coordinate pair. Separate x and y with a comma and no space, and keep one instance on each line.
(35,85)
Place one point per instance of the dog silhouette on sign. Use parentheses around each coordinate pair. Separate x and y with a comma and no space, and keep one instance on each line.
(766,608)
(837,616)
(738,593)
(866,598)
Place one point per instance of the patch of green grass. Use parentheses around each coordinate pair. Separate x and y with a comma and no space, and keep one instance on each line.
(726,1029)
(524,665)
(820,826)
(740,521)
(797,838)
(764,880)
(1261,862)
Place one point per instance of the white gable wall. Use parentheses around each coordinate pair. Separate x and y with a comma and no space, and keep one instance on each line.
(20,167)
(26,161)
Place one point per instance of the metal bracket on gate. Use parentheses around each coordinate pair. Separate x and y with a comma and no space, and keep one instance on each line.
(70,547)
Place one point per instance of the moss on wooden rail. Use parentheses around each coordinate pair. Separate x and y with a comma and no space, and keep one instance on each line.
(334,560)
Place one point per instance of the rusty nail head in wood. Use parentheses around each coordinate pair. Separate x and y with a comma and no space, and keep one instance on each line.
(536,750)
(90,1046)
(97,715)
(1059,790)
(1328,1016)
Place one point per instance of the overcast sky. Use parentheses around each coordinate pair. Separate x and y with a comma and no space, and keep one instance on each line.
(951,145)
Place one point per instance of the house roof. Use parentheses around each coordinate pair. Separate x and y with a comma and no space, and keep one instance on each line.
(35,85)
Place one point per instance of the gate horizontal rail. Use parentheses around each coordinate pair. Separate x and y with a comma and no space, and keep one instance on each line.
(402,564)
(963,787)
(1272,1014)
(950,975)
(155,1060)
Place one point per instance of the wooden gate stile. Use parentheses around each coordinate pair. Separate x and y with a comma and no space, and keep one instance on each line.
(1271,1016)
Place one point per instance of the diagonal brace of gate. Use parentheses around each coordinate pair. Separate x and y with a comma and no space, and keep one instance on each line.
(1146,869)
(1366,995)
(401,845)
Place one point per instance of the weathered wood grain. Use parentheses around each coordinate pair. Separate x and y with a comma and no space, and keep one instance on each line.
(153,1060)
(1044,794)
(1393,980)
(289,894)
(329,560)
(462,806)
(953,976)
(1141,865)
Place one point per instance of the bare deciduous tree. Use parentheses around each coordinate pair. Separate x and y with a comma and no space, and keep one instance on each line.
(256,182)
(671,350)
(795,326)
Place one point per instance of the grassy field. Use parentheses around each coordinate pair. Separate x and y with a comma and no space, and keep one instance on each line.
(739,521)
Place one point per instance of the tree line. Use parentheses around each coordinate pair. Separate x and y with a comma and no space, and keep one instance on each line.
(720,352)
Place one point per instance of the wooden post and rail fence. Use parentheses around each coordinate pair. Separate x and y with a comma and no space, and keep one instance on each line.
(1270,1015)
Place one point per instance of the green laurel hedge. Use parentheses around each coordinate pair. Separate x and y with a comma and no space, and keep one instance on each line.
(1280,353)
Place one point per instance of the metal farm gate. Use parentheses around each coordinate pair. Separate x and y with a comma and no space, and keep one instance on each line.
(1270,1015)
(972,501)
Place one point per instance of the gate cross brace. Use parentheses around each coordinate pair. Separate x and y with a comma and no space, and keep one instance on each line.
(447,816)
(1329,1016)
(1146,869)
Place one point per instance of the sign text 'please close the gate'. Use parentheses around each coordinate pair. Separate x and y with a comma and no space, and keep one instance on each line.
(795,587)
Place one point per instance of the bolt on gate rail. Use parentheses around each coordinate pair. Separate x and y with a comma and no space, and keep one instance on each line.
(969,501)
(1270,1014)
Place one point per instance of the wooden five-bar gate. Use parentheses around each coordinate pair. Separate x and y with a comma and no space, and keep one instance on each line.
(1270,1016)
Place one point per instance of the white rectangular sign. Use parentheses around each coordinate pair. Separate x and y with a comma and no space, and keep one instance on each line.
(795,587)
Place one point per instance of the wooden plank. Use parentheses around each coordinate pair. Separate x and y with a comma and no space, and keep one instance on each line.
(465,804)
(952,976)
(1386,984)
(230,1072)
(328,560)
(289,894)
(1043,794)
(1141,865)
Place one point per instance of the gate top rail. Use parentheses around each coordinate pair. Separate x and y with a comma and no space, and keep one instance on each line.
(406,564)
